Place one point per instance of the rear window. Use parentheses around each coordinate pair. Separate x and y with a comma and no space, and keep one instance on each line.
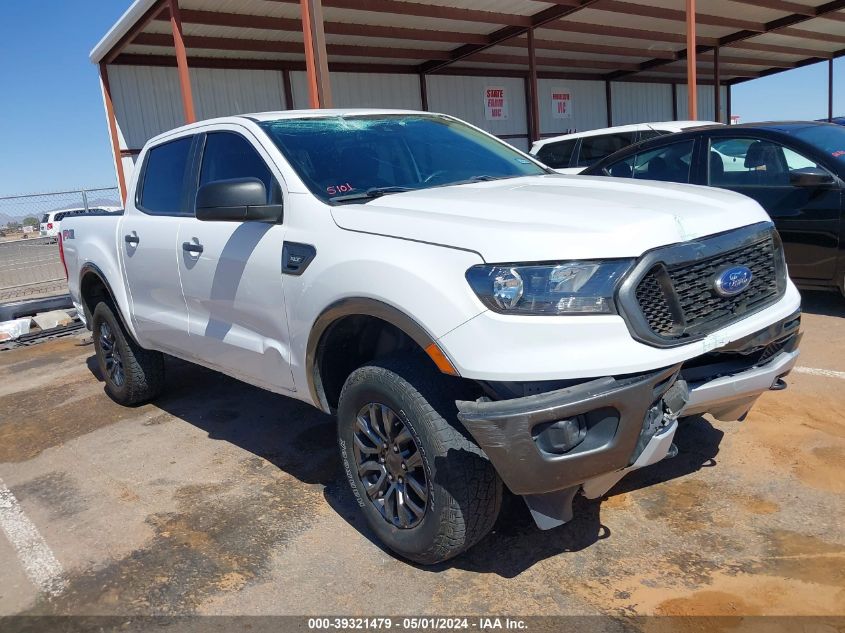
(45,218)
(557,155)
(164,178)
(594,148)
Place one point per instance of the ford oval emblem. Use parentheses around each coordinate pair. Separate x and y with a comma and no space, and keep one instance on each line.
(732,281)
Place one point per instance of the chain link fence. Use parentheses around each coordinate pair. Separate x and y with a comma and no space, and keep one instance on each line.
(29,225)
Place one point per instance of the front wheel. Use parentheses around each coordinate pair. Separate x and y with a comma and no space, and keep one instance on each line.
(426,489)
(132,374)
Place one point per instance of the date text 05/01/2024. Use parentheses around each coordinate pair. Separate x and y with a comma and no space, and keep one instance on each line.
(418,623)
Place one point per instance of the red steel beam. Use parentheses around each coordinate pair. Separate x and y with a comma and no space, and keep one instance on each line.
(675,15)
(182,63)
(115,141)
(316,58)
(425,10)
(239,20)
(780,5)
(546,16)
(782,26)
(692,89)
(152,13)
(626,32)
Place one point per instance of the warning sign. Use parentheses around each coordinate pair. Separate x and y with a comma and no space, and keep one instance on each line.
(495,104)
(561,103)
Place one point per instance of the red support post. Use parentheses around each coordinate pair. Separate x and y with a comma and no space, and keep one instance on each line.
(182,62)
(115,141)
(316,58)
(692,88)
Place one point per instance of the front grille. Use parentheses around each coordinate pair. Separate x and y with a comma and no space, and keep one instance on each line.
(678,301)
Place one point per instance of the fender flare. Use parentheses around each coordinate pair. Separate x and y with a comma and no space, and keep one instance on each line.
(348,307)
(90,268)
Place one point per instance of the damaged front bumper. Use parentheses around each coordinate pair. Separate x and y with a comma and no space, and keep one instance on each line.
(586,437)
(619,420)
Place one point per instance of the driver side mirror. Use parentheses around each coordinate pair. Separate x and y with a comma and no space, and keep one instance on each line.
(236,200)
(810,177)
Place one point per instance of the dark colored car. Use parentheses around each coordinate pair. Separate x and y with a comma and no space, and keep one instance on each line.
(795,170)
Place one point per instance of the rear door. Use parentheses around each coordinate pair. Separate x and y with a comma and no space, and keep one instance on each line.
(147,238)
(232,271)
(807,218)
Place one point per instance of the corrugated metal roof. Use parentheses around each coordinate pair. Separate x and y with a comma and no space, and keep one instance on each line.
(620,38)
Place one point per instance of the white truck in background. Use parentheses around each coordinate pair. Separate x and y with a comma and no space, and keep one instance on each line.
(473,320)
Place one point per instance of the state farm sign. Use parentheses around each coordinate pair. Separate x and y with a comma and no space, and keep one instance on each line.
(495,104)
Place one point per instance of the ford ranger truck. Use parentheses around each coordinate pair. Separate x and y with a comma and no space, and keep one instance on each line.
(473,320)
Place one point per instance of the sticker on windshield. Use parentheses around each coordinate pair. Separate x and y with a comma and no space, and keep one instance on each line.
(336,189)
(838,153)
(524,161)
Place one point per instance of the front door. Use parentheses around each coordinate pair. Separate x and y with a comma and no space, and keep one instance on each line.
(231,274)
(807,218)
(147,238)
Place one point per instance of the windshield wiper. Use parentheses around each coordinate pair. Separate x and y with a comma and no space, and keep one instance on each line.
(479,178)
(369,194)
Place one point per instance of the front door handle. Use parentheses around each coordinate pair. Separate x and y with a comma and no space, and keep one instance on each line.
(192,247)
(132,238)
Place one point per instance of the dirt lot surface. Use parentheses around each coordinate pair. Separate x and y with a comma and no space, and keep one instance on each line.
(221,498)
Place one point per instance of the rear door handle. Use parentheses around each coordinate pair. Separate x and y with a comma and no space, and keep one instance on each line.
(132,238)
(192,247)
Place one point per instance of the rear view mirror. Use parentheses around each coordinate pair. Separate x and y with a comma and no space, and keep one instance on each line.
(236,200)
(810,177)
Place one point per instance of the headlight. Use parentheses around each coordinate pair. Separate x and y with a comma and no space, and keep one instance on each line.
(563,288)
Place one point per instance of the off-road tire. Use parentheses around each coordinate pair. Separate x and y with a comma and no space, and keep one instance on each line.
(143,369)
(465,493)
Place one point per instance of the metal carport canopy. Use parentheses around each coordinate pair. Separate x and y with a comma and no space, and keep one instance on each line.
(606,40)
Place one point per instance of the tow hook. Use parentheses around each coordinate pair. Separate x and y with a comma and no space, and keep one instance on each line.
(778,385)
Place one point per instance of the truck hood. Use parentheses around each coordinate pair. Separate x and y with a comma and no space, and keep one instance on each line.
(545,218)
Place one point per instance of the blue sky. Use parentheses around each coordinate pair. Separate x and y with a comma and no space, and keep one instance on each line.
(53,128)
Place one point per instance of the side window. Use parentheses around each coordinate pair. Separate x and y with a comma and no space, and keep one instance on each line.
(557,155)
(748,162)
(670,163)
(164,177)
(229,155)
(594,148)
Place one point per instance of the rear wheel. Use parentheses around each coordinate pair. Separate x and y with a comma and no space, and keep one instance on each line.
(132,374)
(426,489)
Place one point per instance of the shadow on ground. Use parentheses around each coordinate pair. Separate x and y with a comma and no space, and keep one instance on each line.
(301,441)
(823,303)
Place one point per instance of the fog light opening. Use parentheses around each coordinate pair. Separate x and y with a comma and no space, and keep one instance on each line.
(562,436)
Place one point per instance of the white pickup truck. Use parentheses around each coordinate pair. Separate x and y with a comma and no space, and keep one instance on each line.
(472,319)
